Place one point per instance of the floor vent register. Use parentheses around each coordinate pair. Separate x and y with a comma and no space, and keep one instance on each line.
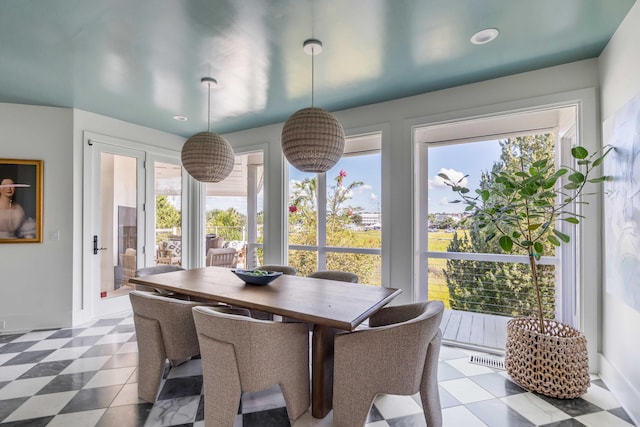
(489,361)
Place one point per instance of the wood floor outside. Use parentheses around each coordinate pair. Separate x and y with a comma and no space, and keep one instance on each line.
(475,329)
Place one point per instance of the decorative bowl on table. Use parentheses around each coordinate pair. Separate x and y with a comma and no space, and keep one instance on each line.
(257,277)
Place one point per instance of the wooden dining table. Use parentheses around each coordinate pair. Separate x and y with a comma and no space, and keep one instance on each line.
(329,305)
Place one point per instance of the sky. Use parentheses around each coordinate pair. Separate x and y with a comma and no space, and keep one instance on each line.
(456,161)
(364,168)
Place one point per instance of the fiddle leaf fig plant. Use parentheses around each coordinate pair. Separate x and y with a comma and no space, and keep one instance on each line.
(522,208)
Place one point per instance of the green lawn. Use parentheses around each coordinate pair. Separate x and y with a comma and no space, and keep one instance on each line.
(438,242)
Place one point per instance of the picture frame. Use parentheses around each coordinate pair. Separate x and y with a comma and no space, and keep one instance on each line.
(21,188)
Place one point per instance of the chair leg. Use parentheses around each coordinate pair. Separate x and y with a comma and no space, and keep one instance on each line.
(151,357)
(429,385)
(222,390)
(295,391)
(354,411)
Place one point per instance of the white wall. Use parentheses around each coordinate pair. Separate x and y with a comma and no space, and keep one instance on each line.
(36,278)
(620,81)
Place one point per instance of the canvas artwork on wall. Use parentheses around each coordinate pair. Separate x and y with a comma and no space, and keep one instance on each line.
(20,201)
(622,204)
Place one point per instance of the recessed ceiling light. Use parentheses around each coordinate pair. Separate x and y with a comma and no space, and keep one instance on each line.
(180,118)
(485,36)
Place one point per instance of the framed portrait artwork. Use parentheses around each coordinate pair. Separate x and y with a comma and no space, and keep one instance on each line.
(20,201)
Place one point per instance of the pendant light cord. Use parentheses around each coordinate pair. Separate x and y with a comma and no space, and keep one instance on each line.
(209,110)
(313,54)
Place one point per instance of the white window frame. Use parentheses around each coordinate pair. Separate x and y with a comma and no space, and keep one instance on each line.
(321,248)
(567,292)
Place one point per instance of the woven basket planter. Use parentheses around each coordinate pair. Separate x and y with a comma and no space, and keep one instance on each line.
(555,364)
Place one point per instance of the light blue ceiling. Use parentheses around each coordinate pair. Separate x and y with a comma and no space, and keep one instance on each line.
(142,60)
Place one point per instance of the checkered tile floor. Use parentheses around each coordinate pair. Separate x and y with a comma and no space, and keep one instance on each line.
(86,376)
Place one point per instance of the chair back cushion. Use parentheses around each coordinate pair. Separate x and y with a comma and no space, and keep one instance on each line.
(342,276)
(284,269)
(174,318)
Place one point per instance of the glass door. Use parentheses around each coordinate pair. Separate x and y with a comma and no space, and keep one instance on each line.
(167,196)
(115,234)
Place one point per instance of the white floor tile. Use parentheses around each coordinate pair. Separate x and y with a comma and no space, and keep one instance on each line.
(394,406)
(23,388)
(307,420)
(460,416)
(173,411)
(41,406)
(101,330)
(130,347)
(86,364)
(599,419)
(115,338)
(127,396)
(53,344)
(110,377)
(469,369)
(127,321)
(70,353)
(465,390)
(601,397)
(534,408)
(77,419)
(34,336)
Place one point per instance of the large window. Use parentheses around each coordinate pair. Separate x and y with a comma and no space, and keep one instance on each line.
(334,218)
(458,264)
(168,213)
(234,210)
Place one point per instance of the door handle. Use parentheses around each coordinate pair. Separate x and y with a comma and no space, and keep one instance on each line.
(95,246)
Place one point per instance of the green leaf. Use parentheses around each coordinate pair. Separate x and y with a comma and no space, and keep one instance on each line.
(564,237)
(540,163)
(522,174)
(469,208)
(455,201)
(597,180)
(553,240)
(506,243)
(579,152)
(576,177)
(485,195)
(444,176)
(533,227)
(526,243)
(572,186)
(571,220)
(560,172)
(464,190)
(584,162)
(538,247)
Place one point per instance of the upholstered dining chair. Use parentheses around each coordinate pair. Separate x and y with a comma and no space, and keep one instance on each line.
(342,276)
(284,269)
(156,269)
(222,257)
(164,330)
(243,354)
(397,354)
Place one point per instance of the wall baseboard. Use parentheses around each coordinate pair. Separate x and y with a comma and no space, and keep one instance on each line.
(627,395)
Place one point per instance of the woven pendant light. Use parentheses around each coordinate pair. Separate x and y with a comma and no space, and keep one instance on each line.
(208,157)
(312,138)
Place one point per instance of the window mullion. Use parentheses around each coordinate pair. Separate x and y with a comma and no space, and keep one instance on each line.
(322,221)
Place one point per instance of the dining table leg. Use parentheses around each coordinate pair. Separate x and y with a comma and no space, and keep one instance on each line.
(322,370)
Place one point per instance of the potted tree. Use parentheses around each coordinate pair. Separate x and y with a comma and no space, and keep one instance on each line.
(521,209)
